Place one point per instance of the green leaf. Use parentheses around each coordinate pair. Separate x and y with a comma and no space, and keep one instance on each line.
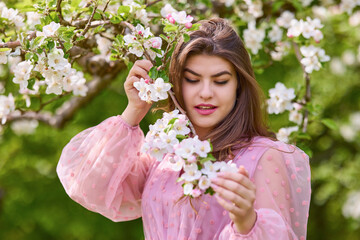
(115,20)
(31,83)
(153,73)
(28,55)
(51,45)
(194,27)
(277,5)
(156,50)
(124,9)
(97,16)
(186,37)
(67,45)
(4,49)
(170,28)
(330,123)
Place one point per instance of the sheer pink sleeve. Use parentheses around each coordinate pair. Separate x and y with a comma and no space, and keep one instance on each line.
(102,169)
(282,179)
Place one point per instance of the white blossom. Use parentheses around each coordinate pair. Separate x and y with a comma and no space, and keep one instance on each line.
(166,10)
(275,34)
(4,56)
(143,88)
(284,133)
(180,125)
(202,148)
(191,172)
(195,192)
(312,58)
(337,67)
(169,139)
(285,19)
(255,8)
(56,60)
(49,30)
(348,57)
(204,183)
(186,148)
(295,116)
(355,121)
(347,132)
(7,106)
(144,32)
(159,90)
(32,19)
(351,208)
(280,99)
(182,17)
(176,163)
(22,73)
(227,3)
(210,169)
(306,3)
(253,37)
(188,188)
(354,19)
(230,166)
(24,127)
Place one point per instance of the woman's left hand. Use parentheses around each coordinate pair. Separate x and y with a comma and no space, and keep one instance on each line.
(236,194)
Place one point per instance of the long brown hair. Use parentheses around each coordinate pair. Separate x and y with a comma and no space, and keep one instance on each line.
(247,119)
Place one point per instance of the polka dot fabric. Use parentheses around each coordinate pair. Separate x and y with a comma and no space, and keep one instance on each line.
(102,169)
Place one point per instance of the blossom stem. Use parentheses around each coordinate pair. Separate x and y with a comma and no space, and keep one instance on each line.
(307,97)
(177,105)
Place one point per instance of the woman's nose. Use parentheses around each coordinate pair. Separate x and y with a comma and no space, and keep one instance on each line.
(206,90)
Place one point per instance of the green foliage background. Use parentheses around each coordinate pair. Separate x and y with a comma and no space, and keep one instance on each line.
(33,204)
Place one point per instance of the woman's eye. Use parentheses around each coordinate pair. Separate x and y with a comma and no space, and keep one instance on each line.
(191,81)
(221,82)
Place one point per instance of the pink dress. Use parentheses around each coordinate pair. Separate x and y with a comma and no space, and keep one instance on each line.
(102,169)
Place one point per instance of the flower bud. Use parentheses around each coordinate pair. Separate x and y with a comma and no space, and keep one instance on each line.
(188,25)
(172,20)
(168,16)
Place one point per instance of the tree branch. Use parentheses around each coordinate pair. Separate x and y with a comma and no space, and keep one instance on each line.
(59,11)
(69,108)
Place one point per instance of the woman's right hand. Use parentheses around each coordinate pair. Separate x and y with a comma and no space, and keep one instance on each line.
(136,108)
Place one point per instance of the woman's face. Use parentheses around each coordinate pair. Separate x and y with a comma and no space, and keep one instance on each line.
(209,91)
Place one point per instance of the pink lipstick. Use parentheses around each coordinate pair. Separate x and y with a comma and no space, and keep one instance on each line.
(205,109)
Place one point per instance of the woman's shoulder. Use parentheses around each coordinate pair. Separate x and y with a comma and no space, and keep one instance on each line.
(262,147)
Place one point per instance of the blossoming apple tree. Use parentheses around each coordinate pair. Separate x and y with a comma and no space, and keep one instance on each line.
(64,53)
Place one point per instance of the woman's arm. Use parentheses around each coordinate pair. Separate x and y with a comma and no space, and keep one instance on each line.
(102,169)
(282,180)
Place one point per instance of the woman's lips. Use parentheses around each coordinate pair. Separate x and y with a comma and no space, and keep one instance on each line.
(205,109)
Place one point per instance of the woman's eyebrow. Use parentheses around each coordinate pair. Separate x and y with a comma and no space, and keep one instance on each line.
(215,75)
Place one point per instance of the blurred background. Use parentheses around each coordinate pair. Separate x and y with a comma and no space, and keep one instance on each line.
(33,204)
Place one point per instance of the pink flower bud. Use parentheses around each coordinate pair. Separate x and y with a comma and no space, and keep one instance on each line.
(168,16)
(140,32)
(188,25)
(195,192)
(172,20)
(156,44)
(158,68)
(147,81)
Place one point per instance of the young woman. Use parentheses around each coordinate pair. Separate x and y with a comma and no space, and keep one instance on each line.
(103,169)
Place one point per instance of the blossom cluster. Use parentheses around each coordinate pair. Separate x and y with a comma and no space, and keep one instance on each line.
(11,15)
(168,140)
(152,91)
(57,71)
(312,58)
(174,16)
(281,99)
(143,40)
